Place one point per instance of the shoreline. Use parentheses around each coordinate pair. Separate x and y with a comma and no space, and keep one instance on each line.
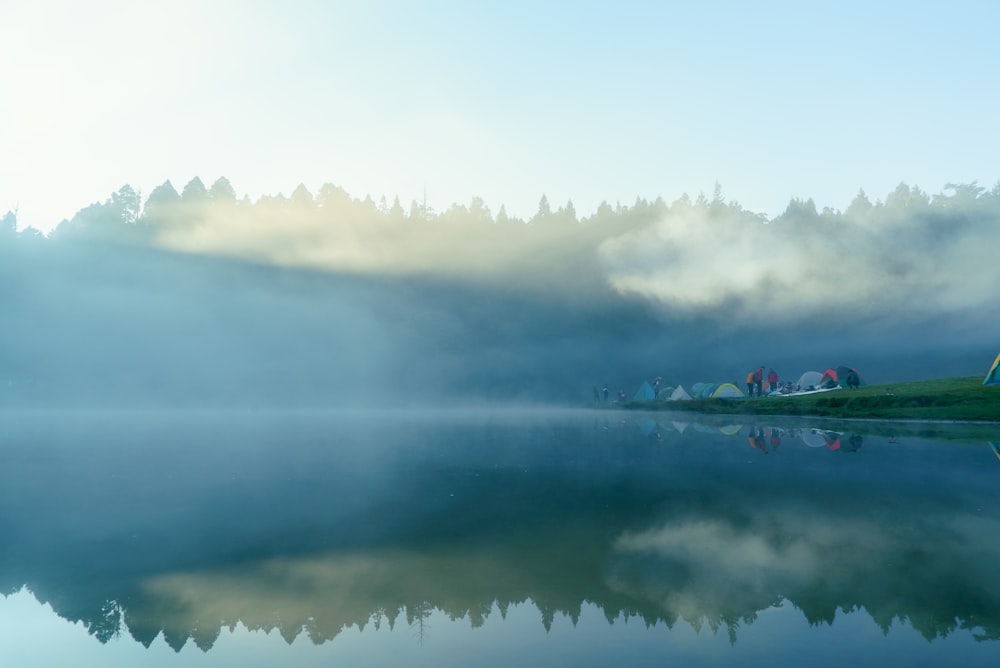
(961,400)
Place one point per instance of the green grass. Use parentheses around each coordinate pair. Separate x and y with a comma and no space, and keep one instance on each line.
(964,399)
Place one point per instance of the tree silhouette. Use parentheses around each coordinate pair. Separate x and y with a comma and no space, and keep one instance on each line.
(544,212)
(8,225)
(859,207)
(222,191)
(301,197)
(194,192)
(161,205)
(125,205)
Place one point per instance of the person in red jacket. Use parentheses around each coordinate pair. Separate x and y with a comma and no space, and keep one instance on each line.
(772,380)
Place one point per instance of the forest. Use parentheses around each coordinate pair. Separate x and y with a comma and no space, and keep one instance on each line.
(201,296)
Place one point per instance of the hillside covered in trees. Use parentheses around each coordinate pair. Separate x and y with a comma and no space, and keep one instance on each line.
(201,296)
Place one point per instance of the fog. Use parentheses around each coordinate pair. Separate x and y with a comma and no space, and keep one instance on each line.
(909,263)
(199,298)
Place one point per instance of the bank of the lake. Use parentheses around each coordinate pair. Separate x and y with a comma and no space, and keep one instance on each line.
(956,399)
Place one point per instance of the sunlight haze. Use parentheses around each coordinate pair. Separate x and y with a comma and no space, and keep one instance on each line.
(450,100)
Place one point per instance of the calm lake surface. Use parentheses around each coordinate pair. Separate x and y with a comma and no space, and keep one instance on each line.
(561,538)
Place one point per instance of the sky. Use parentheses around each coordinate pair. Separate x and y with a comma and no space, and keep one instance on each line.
(581,101)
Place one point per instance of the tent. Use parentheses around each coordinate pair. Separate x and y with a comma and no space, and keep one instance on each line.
(810,380)
(663,394)
(993,376)
(705,390)
(727,391)
(829,379)
(679,394)
(644,393)
(717,391)
(842,372)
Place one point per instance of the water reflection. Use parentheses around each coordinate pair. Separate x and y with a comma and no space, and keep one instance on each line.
(182,525)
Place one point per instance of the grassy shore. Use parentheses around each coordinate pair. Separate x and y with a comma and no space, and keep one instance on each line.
(962,399)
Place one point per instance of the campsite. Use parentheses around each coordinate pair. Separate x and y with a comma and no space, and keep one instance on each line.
(970,398)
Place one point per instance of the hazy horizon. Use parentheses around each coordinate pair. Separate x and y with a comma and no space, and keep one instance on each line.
(450,100)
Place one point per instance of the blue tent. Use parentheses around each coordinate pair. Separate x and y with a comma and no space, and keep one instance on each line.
(644,393)
(993,376)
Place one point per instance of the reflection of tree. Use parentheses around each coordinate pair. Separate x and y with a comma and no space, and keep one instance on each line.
(417,616)
(719,579)
(602,518)
(108,624)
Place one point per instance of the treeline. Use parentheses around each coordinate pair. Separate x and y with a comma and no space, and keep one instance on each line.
(330,229)
(124,213)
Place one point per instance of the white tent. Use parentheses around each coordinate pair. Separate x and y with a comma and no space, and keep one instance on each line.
(679,394)
(810,380)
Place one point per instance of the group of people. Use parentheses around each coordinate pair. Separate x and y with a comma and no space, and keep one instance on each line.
(604,392)
(755,382)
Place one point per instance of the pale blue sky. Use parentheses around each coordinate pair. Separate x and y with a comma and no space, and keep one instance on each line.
(506,101)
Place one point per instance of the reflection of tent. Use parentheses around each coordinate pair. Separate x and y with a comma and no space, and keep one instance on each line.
(679,394)
(842,372)
(810,380)
(680,426)
(731,429)
(832,439)
(829,379)
(993,376)
(813,438)
(644,393)
(817,438)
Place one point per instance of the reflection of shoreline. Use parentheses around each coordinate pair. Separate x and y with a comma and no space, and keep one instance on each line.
(460,519)
(944,430)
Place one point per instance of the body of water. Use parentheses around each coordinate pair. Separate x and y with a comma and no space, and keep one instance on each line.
(492,538)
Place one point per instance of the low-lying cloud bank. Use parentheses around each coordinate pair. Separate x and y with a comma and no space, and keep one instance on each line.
(912,261)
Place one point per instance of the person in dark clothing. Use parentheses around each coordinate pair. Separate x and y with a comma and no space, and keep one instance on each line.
(758,380)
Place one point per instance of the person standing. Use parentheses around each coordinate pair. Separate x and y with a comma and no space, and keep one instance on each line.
(772,380)
(759,380)
(750,383)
